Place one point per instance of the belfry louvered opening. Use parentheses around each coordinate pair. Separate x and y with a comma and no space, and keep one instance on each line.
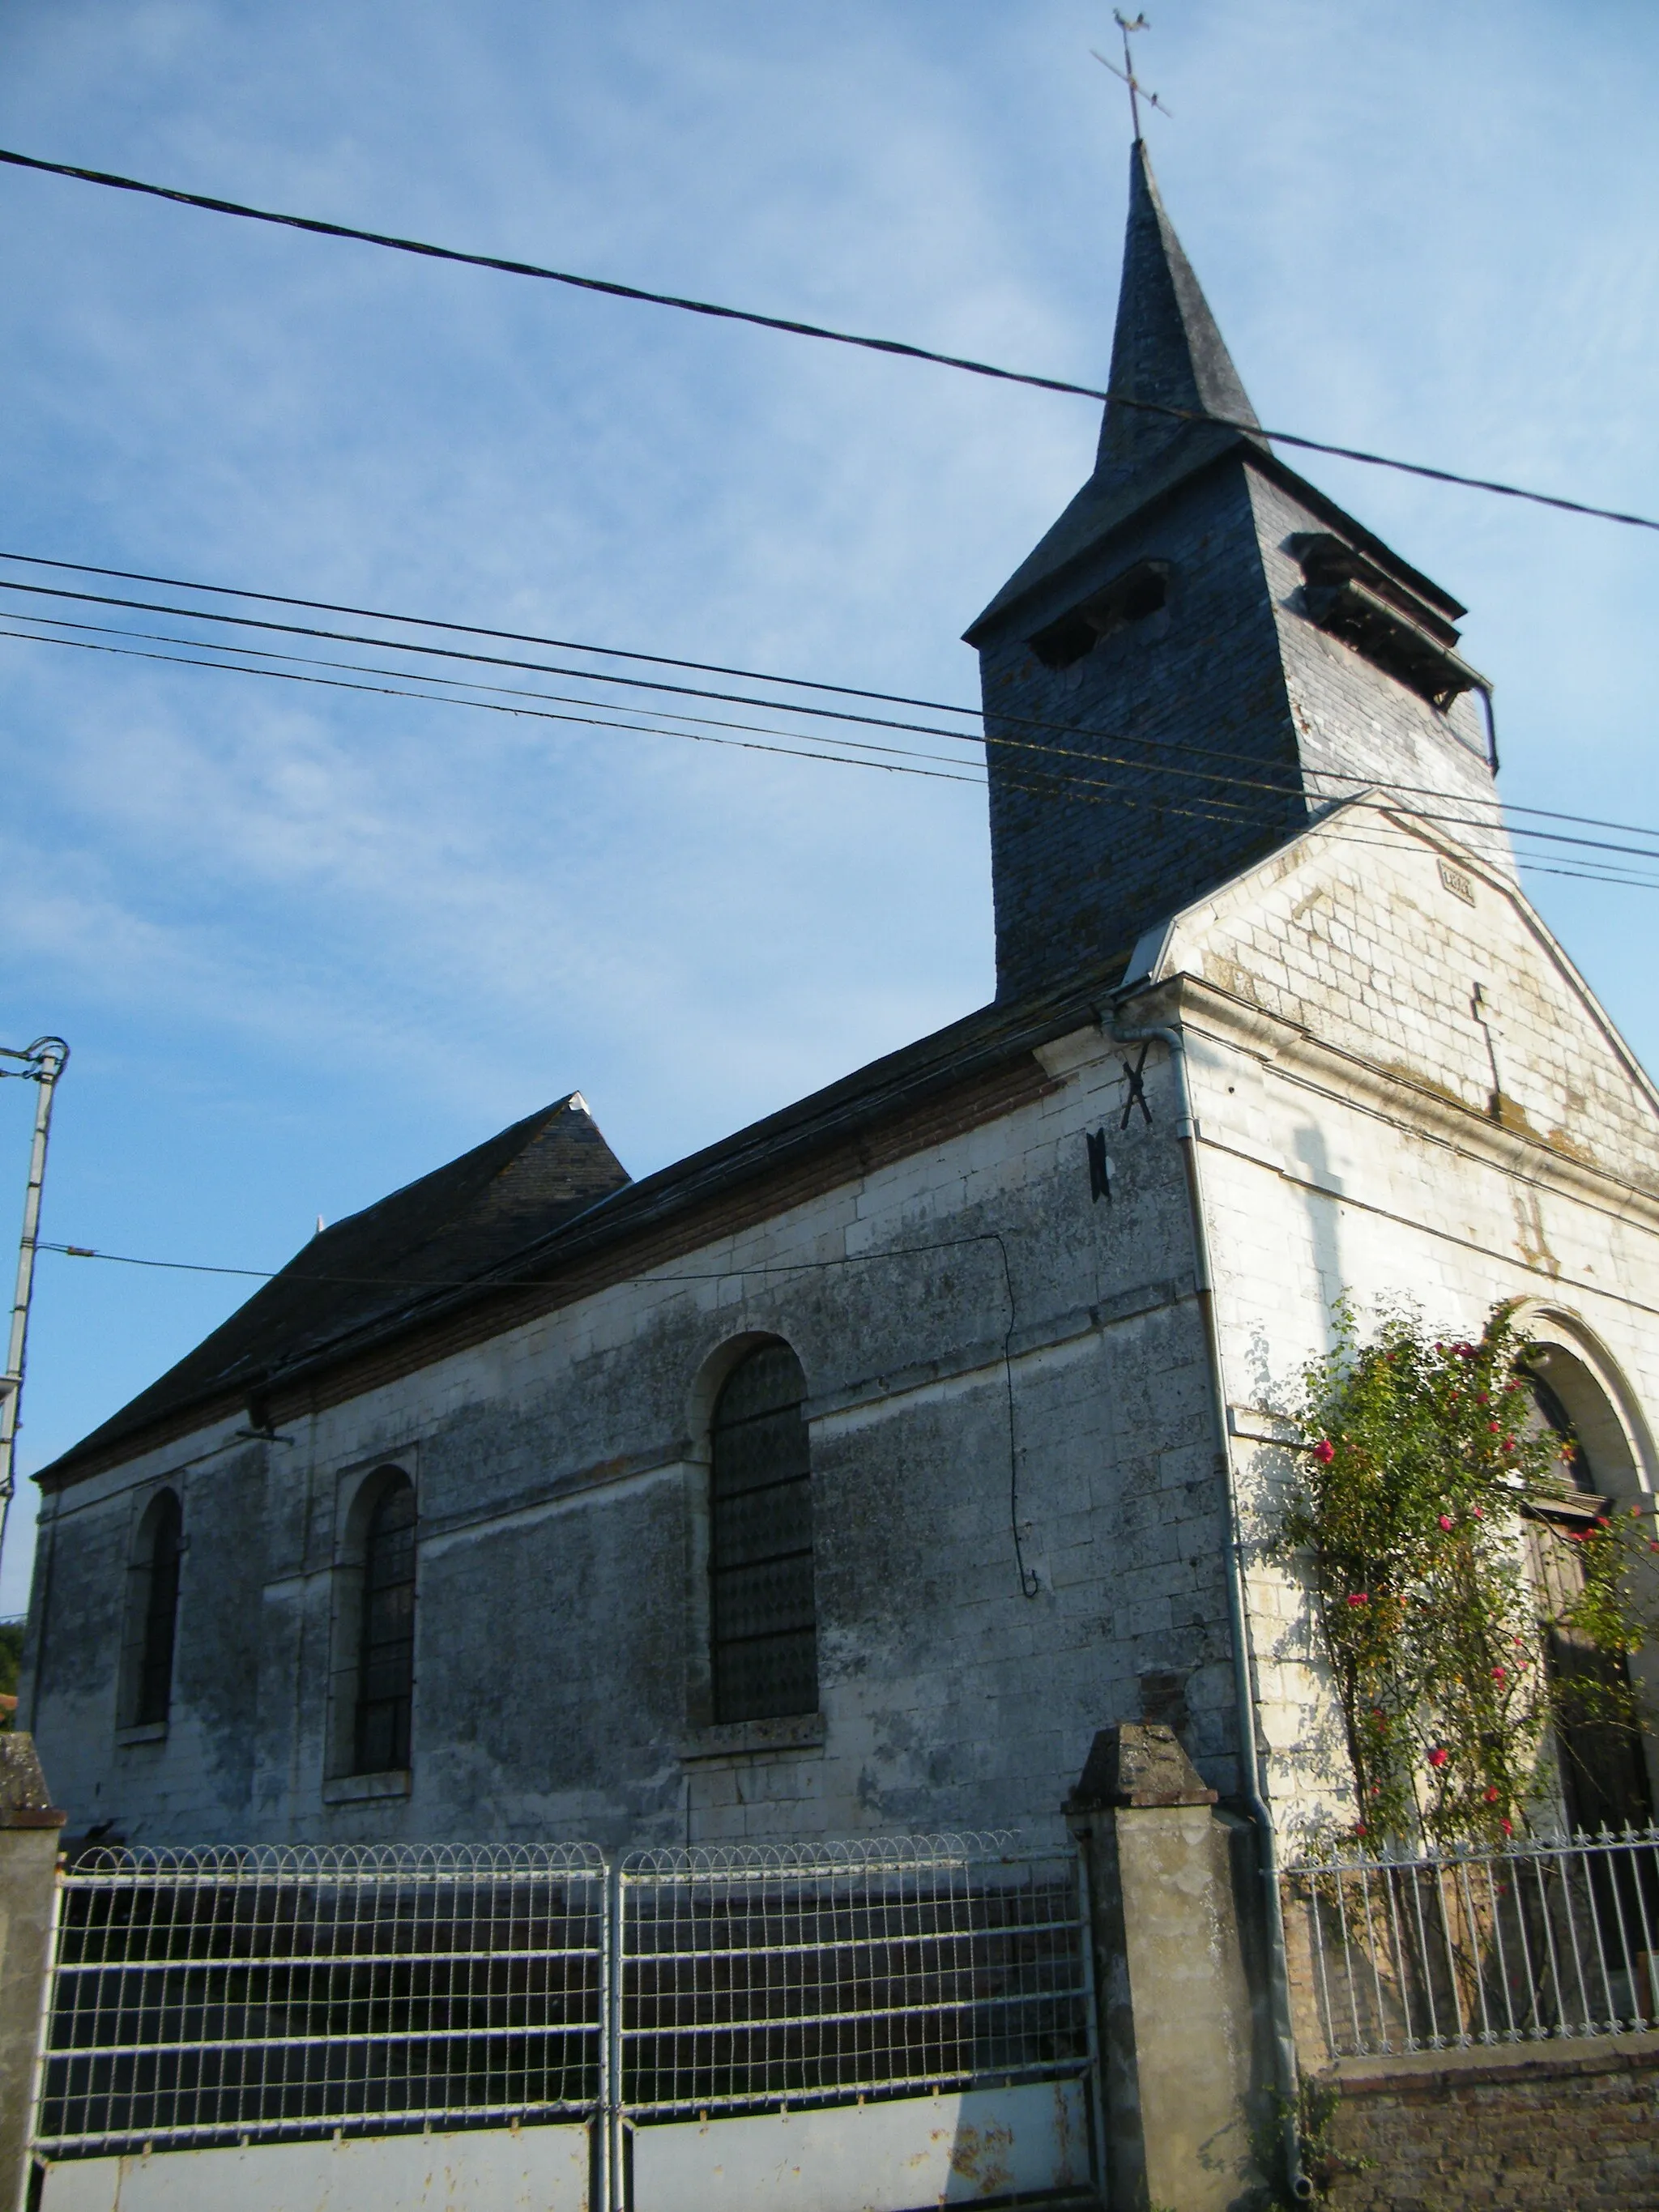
(762,1617)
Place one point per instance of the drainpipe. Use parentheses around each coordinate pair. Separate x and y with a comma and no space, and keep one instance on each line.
(1278,1997)
(1485,690)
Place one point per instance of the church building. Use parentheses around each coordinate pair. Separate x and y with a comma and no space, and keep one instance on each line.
(848,1476)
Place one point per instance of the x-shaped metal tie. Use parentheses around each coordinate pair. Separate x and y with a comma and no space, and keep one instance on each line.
(1136,1089)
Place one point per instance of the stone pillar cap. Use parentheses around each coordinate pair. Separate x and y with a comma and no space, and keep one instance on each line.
(24,1801)
(1138,1763)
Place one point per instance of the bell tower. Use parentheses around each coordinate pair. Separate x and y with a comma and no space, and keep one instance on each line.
(1203,655)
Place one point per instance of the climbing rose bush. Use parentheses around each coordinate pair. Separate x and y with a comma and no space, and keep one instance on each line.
(1418,1458)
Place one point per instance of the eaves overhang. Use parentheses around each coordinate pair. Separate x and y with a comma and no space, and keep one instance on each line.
(1089,521)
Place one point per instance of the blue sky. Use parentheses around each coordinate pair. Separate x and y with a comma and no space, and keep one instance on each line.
(306,947)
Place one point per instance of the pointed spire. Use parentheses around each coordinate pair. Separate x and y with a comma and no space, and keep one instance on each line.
(1166,346)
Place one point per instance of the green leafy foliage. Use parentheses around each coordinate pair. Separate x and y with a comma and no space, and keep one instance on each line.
(1419,1458)
(1323,2162)
(11,1659)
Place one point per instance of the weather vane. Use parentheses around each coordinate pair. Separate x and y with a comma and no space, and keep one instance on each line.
(1138,91)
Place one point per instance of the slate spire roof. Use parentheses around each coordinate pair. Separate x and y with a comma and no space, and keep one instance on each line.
(1166,347)
(1219,649)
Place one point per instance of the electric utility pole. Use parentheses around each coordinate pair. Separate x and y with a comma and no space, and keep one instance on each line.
(42,1063)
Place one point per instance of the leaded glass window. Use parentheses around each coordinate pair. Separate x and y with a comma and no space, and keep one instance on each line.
(163,1547)
(762,1613)
(386,1665)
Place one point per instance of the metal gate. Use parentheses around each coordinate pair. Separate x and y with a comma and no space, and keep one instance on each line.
(286,2026)
(891,2024)
(899,2022)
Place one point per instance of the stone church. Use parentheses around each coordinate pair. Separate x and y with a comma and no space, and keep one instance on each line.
(849,1476)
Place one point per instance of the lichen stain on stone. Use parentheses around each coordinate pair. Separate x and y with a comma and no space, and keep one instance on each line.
(1424,1081)
(1531,1239)
(1509,1114)
(1558,1140)
(1228,976)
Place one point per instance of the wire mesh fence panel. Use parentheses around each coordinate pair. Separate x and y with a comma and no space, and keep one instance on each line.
(203,1997)
(750,1980)
(1478,1947)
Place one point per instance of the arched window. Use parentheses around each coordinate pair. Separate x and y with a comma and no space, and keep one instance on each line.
(161,1534)
(762,1617)
(1549,1413)
(386,1654)
(1604,1778)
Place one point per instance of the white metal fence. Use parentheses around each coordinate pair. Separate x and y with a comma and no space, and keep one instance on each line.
(242,1995)
(751,1980)
(1541,1939)
(247,1996)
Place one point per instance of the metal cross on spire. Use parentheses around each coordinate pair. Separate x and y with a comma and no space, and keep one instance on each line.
(1138,91)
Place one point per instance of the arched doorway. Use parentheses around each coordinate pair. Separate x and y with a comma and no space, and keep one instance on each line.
(1603,1762)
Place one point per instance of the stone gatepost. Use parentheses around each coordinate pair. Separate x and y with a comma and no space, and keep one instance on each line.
(29,1880)
(1176,2014)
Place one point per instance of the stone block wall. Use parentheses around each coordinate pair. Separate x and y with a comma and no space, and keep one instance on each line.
(1566,2129)
(561,1624)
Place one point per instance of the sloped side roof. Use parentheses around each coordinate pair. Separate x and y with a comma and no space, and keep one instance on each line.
(451,1225)
(503,1214)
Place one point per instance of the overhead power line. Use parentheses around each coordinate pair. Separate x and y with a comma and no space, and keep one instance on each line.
(492,1280)
(793,328)
(1050,781)
(671,661)
(483,706)
(1171,769)
(1036,780)
(478,630)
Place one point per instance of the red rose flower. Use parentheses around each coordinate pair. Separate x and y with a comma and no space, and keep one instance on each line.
(1445,1521)
(1491,1793)
(1324,1451)
(1437,1757)
(1500,1673)
(1359,1597)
